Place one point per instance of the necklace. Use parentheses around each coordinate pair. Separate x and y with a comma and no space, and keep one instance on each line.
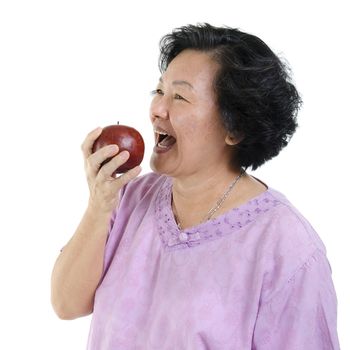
(217,205)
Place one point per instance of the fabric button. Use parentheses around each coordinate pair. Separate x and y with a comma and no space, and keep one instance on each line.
(183,236)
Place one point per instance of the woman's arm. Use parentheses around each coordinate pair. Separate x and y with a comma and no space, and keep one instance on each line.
(78,269)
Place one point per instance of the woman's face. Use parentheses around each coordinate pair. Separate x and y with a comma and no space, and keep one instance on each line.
(184,108)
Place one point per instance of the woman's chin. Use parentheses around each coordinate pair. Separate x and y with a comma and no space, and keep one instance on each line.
(155,163)
(160,165)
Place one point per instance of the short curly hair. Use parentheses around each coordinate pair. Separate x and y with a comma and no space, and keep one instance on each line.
(256,98)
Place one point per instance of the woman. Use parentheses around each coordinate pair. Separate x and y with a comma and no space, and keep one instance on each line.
(199,254)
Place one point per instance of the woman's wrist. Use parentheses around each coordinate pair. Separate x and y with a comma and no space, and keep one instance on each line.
(100,208)
(98,214)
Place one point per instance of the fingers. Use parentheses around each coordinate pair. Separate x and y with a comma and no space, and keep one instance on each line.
(86,146)
(97,169)
(129,175)
(95,160)
(100,167)
(108,169)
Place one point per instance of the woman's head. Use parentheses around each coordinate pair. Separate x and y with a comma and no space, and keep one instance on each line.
(190,137)
(256,100)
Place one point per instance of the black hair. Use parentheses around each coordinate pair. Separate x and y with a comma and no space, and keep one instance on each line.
(257,100)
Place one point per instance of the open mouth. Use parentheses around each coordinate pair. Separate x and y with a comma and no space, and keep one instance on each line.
(164,140)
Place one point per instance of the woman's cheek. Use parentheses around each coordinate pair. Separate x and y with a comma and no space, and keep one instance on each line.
(190,128)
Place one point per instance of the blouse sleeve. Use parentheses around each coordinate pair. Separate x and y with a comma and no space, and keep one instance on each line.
(303,314)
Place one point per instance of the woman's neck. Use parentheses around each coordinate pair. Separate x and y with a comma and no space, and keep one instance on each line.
(195,188)
(194,196)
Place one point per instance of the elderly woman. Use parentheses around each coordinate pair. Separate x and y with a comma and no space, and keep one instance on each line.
(199,254)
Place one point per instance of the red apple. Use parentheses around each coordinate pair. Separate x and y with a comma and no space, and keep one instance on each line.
(127,139)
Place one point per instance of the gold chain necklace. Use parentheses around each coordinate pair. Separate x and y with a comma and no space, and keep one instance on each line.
(217,205)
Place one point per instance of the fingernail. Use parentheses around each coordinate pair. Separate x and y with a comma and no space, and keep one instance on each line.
(124,154)
(113,148)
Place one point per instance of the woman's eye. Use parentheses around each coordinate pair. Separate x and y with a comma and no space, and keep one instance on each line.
(178,97)
(161,92)
(157,92)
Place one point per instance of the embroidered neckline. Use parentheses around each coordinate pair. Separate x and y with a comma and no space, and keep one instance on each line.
(173,238)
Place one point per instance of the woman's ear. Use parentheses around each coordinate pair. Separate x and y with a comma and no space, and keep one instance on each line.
(233,140)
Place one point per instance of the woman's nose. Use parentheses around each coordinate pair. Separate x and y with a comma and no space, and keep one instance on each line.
(159,108)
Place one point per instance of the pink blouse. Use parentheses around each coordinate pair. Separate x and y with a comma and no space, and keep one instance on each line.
(256,277)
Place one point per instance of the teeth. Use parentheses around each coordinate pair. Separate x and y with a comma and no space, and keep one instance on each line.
(159,136)
(160,132)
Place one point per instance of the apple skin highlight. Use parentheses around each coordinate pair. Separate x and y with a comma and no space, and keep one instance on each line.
(127,139)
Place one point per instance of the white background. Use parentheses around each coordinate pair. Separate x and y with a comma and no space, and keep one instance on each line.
(69,66)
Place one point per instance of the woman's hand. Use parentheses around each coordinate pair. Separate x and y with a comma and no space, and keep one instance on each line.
(104,188)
